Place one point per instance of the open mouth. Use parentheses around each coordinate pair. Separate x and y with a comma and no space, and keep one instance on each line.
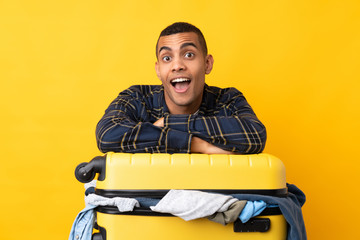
(180,84)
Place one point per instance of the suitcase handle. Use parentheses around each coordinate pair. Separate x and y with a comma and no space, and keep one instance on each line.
(85,172)
(253,225)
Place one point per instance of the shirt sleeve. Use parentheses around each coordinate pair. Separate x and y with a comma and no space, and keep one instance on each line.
(120,131)
(234,128)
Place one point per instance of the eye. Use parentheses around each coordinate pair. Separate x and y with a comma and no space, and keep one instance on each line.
(166,59)
(189,55)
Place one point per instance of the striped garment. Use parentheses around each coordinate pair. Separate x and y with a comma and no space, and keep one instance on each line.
(224,119)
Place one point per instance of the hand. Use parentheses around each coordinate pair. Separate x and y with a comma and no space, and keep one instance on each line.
(201,146)
(159,122)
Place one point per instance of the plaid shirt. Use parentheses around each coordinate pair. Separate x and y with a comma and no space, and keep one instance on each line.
(224,119)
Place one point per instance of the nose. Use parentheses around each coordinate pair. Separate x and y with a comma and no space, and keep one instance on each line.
(178,65)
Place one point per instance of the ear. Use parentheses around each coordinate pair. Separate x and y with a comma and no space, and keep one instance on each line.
(209,62)
(157,69)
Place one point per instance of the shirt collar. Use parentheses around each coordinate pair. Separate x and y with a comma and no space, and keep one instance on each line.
(201,109)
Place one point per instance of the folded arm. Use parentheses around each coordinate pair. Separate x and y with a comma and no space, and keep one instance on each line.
(197,144)
(237,134)
(235,128)
(232,128)
(120,130)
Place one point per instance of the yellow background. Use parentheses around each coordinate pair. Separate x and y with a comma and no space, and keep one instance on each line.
(62,62)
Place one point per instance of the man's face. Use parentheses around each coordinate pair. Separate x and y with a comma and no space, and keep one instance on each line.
(181,67)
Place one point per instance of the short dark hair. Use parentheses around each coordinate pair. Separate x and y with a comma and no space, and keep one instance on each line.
(182,27)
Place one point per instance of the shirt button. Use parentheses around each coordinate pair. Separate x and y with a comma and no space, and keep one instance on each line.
(77,236)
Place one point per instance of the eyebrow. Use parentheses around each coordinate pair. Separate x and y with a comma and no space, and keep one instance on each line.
(164,48)
(188,44)
(182,46)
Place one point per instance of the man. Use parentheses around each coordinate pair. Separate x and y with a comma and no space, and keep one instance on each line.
(183,114)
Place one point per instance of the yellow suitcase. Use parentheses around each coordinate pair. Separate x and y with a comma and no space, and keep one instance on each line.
(152,175)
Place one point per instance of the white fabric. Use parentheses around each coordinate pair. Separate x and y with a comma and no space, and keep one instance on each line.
(190,204)
(90,184)
(123,204)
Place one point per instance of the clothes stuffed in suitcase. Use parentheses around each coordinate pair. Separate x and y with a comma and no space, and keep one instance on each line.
(153,175)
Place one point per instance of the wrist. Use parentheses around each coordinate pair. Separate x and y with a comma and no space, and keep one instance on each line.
(201,146)
(198,145)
